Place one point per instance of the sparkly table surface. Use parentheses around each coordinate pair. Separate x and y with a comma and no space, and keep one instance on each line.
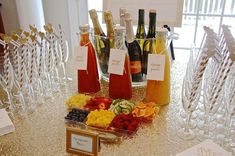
(43,132)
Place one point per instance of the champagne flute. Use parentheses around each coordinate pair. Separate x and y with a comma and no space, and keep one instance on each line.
(64,54)
(189,105)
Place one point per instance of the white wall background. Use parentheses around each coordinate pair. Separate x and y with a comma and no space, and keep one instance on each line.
(9,15)
(30,12)
(69,13)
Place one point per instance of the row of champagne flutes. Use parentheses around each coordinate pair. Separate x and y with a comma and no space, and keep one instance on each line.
(34,68)
(208,88)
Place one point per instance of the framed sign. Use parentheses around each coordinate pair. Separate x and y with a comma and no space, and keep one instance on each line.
(168,11)
(82,142)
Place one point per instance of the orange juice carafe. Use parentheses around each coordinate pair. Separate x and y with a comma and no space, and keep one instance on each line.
(159,91)
(88,80)
(120,85)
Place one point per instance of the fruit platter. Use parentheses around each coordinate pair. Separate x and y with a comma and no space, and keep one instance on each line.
(110,117)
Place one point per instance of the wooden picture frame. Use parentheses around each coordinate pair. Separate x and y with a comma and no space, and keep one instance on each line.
(82,142)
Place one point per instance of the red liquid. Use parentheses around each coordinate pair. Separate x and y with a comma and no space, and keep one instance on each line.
(88,80)
(120,85)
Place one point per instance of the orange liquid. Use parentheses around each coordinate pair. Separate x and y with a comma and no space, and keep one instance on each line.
(88,80)
(159,91)
(120,85)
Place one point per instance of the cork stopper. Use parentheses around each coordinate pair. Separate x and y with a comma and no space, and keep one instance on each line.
(84,28)
(153,11)
(127,15)
(119,29)
(93,13)
(161,31)
(122,11)
(108,15)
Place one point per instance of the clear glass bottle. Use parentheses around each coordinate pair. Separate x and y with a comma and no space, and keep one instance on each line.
(122,12)
(88,80)
(159,91)
(120,85)
(134,51)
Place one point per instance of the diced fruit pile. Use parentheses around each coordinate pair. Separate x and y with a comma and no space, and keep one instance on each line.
(146,111)
(119,106)
(77,115)
(100,118)
(98,103)
(125,122)
(118,115)
(77,101)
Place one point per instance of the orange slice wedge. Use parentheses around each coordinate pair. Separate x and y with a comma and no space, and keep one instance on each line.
(149,111)
(141,106)
(151,104)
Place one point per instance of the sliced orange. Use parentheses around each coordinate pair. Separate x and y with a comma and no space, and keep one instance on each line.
(141,106)
(151,104)
(149,111)
(135,112)
(140,113)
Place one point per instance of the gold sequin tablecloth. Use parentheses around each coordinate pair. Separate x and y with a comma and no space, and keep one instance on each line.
(42,133)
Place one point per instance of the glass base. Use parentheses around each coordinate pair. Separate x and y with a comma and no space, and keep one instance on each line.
(184,115)
(186,134)
(192,124)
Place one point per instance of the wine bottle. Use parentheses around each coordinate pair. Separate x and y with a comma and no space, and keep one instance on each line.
(122,12)
(159,91)
(149,42)
(134,50)
(120,85)
(140,33)
(108,18)
(101,43)
(88,80)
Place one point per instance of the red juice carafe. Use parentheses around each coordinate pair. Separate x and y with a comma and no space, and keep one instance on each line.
(120,85)
(88,80)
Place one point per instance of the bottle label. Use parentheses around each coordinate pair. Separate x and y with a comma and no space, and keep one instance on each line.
(81,56)
(116,61)
(156,67)
(135,67)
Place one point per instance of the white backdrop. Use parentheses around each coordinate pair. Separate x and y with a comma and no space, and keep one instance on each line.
(168,11)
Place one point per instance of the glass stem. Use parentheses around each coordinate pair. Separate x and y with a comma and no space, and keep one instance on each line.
(188,121)
(207,122)
(227,126)
(64,70)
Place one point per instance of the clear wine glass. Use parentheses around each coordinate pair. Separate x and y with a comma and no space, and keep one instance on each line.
(229,101)
(7,85)
(64,54)
(189,105)
(211,102)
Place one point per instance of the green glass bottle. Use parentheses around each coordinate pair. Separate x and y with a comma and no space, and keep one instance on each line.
(150,41)
(101,43)
(140,33)
(108,18)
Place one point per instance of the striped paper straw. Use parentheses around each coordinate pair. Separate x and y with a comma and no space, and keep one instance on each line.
(40,58)
(61,42)
(6,63)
